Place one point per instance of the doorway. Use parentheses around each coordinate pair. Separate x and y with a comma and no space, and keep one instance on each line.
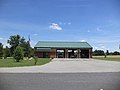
(84,54)
(60,53)
(72,53)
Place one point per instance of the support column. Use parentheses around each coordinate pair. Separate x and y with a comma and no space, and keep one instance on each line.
(78,53)
(90,53)
(53,53)
(66,53)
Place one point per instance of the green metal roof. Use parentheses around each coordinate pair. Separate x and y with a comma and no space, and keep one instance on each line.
(56,44)
(44,49)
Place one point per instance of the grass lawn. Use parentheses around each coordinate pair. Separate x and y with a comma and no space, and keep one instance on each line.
(108,58)
(10,62)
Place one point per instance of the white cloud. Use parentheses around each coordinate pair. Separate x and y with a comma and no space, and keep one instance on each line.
(69,23)
(65,23)
(55,26)
(88,31)
(95,48)
(1,38)
(35,34)
(4,42)
(82,41)
(32,43)
(99,29)
(102,46)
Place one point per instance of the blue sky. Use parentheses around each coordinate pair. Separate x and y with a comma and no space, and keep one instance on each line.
(94,21)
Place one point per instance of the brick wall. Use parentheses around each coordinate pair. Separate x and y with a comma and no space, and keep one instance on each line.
(53,53)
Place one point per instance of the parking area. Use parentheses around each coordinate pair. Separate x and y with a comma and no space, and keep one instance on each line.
(68,66)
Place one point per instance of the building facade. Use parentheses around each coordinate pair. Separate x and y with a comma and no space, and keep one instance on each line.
(50,49)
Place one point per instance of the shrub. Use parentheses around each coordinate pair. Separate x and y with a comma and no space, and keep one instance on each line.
(36,59)
(6,52)
(18,54)
(1,50)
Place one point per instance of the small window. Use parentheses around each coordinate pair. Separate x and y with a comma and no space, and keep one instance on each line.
(46,55)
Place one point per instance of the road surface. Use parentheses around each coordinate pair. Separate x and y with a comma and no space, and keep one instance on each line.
(60,81)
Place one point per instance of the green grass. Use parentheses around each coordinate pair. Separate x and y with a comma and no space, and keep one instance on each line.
(10,62)
(108,58)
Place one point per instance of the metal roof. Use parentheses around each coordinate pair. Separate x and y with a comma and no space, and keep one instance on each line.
(56,44)
(44,49)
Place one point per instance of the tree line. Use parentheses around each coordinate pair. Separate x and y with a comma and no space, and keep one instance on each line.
(18,49)
(101,53)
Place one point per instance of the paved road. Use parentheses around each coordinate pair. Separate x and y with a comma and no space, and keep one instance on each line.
(61,81)
(68,66)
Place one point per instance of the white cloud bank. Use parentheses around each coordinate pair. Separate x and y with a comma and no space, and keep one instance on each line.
(55,26)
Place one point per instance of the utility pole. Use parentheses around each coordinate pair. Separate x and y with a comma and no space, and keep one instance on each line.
(29,40)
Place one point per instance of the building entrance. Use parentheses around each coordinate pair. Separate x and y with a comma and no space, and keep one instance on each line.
(60,53)
(84,54)
(72,53)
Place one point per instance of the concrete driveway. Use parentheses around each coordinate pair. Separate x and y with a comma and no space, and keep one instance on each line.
(68,66)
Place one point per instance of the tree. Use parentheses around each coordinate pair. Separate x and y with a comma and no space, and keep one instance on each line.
(1,50)
(107,52)
(31,52)
(98,53)
(116,53)
(14,42)
(26,47)
(6,52)
(23,44)
(18,54)
(26,50)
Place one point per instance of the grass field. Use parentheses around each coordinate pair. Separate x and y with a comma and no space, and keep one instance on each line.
(108,58)
(10,62)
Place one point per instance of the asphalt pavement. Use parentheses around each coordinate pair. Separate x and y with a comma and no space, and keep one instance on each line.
(60,81)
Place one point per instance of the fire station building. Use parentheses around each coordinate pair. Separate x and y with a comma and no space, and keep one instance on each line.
(55,49)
